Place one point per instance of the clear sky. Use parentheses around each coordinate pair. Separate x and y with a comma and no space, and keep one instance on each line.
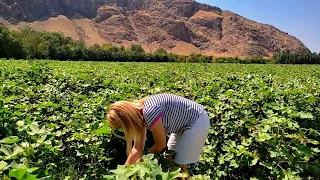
(300,18)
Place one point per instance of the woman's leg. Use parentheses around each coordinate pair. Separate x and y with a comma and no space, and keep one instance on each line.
(191,142)
(173,141)
(172,144)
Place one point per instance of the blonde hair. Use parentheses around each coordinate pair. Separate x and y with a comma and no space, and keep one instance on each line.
(126,115)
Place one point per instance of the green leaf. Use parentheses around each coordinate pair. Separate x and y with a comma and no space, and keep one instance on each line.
(221,173)
(107,177)
(229,156)
(10,140)
(3,165)
(304,150)
(17,173)
(121,177)
(14,165)
(314,142)
(246,142)
(120,170)
(143,170)
(221,159)
(316,150)
(31,177)
(234,164)
(20,123)
(30,170)
(293,125)
(103,130)
(11,151)
(230,92)
(273,153)
(200,177)
(132,170)
(289,175)
(311,100)
(6,149)
(241,150)
(35,129)
(266,165)
(172,175)
(262,137)
(314,132)
(42,139)
(306,115)
(255,159)
(254,178)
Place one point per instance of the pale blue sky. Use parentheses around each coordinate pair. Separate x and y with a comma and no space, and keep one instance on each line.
(300,18)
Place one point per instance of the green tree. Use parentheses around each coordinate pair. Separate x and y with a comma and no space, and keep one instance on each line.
(160,51)
(122,48)
(10,47)
(110,47)
(34,43)
(137,48)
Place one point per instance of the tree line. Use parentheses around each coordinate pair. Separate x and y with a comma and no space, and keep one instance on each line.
(30,44)
(286,57)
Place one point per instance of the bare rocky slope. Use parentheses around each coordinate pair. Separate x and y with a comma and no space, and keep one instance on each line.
(180,26)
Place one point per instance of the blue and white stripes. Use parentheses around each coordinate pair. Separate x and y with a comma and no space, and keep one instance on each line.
(177,113)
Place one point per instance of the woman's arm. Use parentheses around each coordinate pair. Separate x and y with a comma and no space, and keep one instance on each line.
(134,156)
(136,151)
(159,137)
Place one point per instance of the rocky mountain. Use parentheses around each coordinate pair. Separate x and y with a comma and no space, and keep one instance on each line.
(180,26)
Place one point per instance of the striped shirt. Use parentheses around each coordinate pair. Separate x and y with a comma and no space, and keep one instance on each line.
(177,113)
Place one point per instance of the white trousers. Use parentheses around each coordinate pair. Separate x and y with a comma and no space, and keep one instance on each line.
(188,145)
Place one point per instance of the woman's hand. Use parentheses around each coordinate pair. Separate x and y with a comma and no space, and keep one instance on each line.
(169,155)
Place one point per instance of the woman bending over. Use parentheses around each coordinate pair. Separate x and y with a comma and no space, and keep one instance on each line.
(184,120)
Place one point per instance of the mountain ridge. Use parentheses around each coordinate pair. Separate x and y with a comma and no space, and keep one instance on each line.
(179,26)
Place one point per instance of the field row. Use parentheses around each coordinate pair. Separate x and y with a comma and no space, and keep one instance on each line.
(265,119)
